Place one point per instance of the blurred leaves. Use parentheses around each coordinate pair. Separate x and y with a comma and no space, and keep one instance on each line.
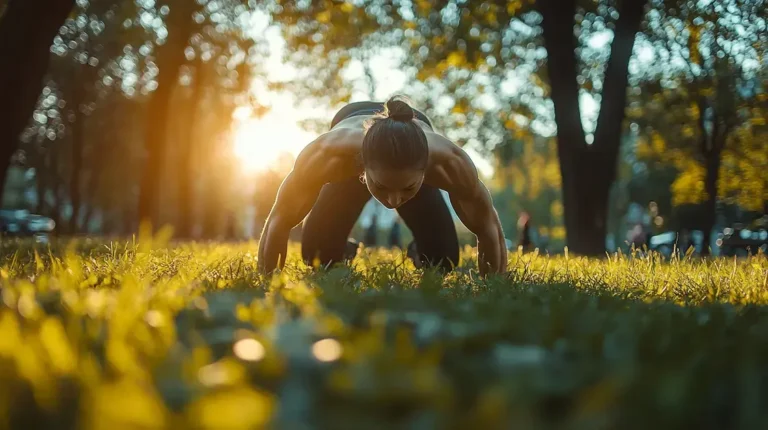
(105,68)
(697,111)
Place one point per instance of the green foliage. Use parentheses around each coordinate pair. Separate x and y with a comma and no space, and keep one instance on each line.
(702,109)
(149,334)
(91,121)
(527,178)
(337,32)
(744,181)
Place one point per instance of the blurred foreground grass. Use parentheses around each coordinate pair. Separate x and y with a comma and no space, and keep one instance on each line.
(151,335)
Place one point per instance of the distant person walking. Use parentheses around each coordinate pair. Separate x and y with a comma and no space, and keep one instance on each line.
(524,231)
(638,237)
(395,235)
(371,233)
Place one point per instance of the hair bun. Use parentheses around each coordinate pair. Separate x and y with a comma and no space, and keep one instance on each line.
(399,110)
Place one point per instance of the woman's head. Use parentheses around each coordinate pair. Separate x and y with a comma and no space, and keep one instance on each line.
(395,154)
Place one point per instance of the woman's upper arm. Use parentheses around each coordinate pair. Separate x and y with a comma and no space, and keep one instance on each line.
(470,197)
(324,160)
(300,188)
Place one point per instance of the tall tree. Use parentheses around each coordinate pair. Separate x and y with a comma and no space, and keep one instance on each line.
(169,58)
(61,143)
(186,145)
(588,170)
(27,29)
(88,43)
(208,38)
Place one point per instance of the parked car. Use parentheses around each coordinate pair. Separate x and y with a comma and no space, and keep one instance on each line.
(21,223)
(664,243)
(743,239)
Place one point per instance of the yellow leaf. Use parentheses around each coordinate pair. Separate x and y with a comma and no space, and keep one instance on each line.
(242,312)
(558,233)
(688,187)
(324,16)
(125,404)
(239,407)
(693,111)
(38,262)
(31,367)
(347,7)
(456,59)
(657,143)
(56,343)
(490,17)
(459,108)
(693,44)
(11,337)
(557,208)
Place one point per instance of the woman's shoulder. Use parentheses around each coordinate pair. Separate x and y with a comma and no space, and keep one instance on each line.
(336,143)
(331,155)
(341,141)
(450,167)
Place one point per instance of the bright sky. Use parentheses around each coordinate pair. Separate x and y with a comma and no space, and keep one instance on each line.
(258,142)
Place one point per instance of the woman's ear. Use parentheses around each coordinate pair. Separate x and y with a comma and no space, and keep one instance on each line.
(362,178)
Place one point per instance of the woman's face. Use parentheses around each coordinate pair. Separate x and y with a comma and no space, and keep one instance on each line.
(393,187)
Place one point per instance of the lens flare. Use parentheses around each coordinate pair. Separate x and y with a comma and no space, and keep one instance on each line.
(256,144)
(327,350)
(249,350)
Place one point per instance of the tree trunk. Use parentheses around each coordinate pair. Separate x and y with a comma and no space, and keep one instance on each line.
(46,178)
(36,159)
(711,144)
(75,174)
(712,164)
(92,187)
(169,58)
(27,29)
(557,25)
(58,199)
(40,189)
(712,149)
(587,170)
(186,168)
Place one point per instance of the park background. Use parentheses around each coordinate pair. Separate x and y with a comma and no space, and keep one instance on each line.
(190,113)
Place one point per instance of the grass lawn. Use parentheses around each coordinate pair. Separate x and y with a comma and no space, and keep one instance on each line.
(152,335)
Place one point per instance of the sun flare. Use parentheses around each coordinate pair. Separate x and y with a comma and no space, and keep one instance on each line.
(258,144)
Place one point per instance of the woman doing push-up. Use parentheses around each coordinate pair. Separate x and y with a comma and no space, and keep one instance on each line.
(391,152)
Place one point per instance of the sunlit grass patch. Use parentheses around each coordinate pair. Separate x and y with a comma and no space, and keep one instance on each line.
(150,334)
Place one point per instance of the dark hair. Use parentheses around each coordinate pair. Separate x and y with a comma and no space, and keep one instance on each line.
(393,140)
